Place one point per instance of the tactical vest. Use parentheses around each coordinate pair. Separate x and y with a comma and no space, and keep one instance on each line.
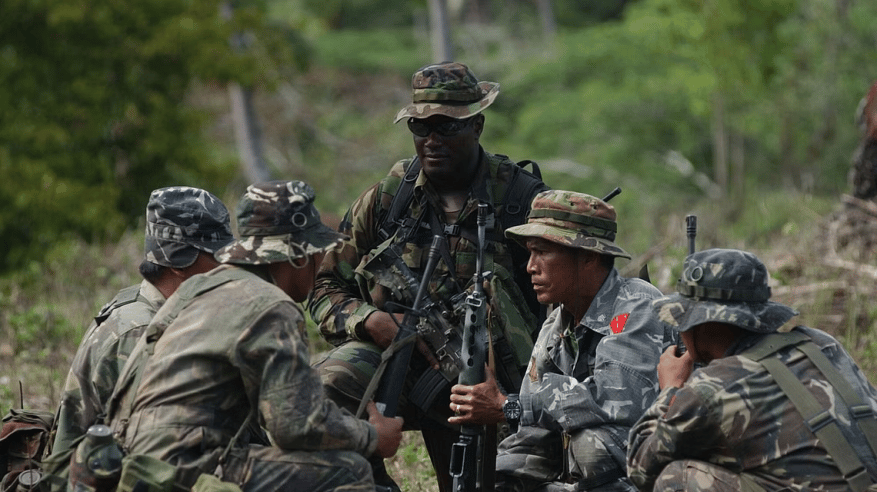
(819,419)
(512,313)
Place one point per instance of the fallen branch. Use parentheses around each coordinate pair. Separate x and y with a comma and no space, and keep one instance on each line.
(799,290)
(864,205)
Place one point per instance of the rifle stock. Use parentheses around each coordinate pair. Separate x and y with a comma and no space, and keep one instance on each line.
(471,465)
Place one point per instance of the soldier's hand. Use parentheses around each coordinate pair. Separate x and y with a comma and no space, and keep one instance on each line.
(674,370)
(389,431)
(480,404)
(382,330)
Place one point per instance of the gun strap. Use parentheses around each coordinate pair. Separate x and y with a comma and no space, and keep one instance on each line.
(820,421)
(386,355)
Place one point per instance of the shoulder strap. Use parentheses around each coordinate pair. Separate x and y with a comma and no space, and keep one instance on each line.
(125,296)
(820,420)
(390,220)
(523,186)
(120,404)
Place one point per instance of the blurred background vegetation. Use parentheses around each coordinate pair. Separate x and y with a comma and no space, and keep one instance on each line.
(739,111)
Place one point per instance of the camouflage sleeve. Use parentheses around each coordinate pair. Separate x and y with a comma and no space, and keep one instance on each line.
(274,361)
(623,384)
(78,400)
(336,304)
(682,423)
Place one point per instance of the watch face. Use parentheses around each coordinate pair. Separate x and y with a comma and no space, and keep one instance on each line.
(512,410)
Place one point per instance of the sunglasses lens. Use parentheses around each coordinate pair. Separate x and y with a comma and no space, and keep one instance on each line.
(445,128)
(419,128)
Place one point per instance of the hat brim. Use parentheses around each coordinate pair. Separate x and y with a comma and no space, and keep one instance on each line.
(566,237)
(683,313)
(457,111)
(179,254)
(264,250)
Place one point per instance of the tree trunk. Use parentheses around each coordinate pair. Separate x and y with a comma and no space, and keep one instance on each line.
(546,16)
(720,144)
(440,31)
(247,134)
(246,127)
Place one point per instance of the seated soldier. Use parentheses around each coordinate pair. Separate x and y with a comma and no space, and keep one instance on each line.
(592,371)
(769,410)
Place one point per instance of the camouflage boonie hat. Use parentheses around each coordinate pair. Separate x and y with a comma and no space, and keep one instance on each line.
(277,221)
(180,221)
(725,286)
(572,219)
(449,89)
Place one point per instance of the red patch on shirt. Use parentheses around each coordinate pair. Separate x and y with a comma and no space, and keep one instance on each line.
(618,323)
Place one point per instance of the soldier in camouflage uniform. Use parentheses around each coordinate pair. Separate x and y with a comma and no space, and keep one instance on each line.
(352,299)
(230,347)
(592,371)
(730,425)
(184,227)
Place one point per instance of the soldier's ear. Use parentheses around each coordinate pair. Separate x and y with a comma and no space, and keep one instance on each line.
(478,124)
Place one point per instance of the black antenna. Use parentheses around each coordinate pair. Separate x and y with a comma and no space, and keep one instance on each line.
(612,194)
(691,232)
(21,393)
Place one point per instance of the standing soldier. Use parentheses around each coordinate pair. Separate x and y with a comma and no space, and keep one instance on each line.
(435,193)
(769,410)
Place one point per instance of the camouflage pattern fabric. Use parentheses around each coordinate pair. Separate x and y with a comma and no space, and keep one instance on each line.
(572,219)
(588,383)
(732,415)
(725,286)
(96,366)
(234,347)
(277,221)
(180,221)
(346,293)
(449,89)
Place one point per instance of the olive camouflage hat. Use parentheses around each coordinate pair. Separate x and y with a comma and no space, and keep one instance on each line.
(180,221)
(572,219)
(450,89)
(725,286)
(277,221)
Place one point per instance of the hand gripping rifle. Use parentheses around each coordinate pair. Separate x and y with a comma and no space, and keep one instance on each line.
(473,458)
(390,387)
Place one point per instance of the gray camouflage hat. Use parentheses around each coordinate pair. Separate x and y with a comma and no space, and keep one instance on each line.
(725,286)
(180,221)
(277,221)
(572,219)
(449,89)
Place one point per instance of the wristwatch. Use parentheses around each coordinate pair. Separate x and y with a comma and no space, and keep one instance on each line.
(512,410)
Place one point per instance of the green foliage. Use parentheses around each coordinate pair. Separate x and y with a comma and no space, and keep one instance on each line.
(93,118)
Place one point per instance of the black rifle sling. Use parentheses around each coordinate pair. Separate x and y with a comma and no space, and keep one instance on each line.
(820,421)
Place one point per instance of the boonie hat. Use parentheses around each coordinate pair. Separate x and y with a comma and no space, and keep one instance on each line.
(572,219)
(181,220)
(277,221)
(726,286)
(450,89)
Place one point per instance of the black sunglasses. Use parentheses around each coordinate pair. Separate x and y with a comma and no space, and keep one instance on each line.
(447,128)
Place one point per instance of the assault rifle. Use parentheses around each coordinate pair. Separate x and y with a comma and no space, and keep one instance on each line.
(390,388)
(473,457)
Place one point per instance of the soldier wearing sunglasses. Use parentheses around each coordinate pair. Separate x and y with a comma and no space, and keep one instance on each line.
(437,192)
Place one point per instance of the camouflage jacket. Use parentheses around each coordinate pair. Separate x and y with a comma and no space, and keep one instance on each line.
(600,372)
(238,346)
(99,360)
(345,295)
(732,414)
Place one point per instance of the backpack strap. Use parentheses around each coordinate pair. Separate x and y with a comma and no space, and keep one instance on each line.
(120,404)
(523,186)
(818,419)
(125,296)
(390,221)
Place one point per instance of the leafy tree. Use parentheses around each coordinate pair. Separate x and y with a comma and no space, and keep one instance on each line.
(93,114)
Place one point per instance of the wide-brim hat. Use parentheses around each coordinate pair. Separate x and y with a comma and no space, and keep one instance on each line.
(724,286)
(277,222)
(572,219)
(180,222)
(448,89)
